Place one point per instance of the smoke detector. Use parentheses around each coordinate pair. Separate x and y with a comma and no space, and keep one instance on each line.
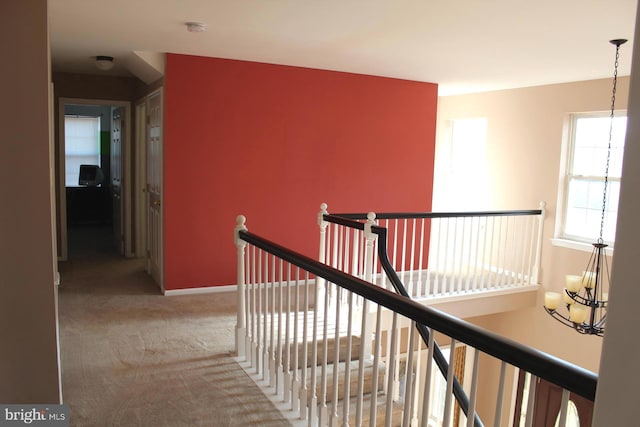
(196,27)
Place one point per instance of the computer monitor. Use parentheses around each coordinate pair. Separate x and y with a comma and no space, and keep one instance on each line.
(90,175)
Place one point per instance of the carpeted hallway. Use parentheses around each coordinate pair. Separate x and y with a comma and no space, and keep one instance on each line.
(132,357)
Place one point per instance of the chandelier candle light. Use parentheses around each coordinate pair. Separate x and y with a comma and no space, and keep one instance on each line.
(584,295)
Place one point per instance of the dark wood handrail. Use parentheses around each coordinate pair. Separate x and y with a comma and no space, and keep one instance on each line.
(417,215)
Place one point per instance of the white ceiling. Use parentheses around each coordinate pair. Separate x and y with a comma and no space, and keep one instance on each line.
(463,45)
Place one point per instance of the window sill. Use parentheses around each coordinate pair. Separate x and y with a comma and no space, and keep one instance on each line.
(579,246)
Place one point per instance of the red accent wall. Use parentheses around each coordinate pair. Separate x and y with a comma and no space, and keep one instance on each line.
(273,142)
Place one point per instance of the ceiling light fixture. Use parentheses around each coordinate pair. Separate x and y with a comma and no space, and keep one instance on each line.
(195,27)
(585,296)
(104,63)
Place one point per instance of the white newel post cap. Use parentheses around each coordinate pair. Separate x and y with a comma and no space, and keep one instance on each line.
(240,226)
(322,213)
(371,220)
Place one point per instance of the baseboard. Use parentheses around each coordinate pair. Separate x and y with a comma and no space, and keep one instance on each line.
(203,290)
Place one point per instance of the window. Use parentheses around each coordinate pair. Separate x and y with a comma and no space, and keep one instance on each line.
(82,145)
(584,177)
(461,169)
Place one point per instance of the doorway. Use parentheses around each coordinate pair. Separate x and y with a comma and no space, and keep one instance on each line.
(95,213)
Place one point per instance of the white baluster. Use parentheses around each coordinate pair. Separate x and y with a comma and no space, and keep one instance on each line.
(259,312)
(450,253)
(485,256)
(422,291)
(412,258)
(564,405)
(392,370)
(528,249)
(512,252)
(347,246)
(470,249)
(240,298)
(426,398)
(248,304)
(361,365)
(272,337)
(334,254)
(347,369)
(287,337)
(519,239)
(305,345)
(448,403)
(533,380)
(408,377)
(477,251)
(460,223)
(254,310)
(295,392)
(416,382)
(395,246)
(313,404)
(474,387)
(265,305)
(373,409)
(323,410)
(281,344)
(341,248)
(403,266)
(355,270)
(500,398)
(435,250)
(499,272)
(492,237)
(336,361)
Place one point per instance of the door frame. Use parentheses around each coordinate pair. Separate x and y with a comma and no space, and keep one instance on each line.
(140,189)
(126,189)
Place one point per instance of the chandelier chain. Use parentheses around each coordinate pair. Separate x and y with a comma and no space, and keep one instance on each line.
(606,170)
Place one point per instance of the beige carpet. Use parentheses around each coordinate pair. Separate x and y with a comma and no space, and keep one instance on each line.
(132,357)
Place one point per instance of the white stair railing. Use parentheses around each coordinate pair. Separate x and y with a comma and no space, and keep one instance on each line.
(292,344)
(452,253)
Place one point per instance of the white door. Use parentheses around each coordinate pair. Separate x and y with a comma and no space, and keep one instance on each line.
(117,135)
(140,187)
(154,189)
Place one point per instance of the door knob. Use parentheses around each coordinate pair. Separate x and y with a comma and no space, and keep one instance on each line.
(156,203)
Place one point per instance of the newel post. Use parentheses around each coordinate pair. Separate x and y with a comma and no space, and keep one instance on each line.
(536,267)
(323,232)
(321,295)
(241,321)
(370,238)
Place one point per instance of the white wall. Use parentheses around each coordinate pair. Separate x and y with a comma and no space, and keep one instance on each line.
(28,349)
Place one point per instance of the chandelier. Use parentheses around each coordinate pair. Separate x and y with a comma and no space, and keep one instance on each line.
(584,295)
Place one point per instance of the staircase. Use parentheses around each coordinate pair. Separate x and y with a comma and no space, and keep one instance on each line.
(289,392)
(299,337)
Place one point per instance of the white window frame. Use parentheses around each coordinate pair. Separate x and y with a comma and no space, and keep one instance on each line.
(92,157)
(560,238)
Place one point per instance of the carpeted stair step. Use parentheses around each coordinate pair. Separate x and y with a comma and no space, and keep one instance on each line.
(353,367)
(355,351)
